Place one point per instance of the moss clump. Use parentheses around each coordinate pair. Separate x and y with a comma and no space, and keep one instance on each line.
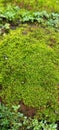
(28,71)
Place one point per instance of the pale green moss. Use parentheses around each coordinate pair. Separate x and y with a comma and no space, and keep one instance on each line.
(29,68)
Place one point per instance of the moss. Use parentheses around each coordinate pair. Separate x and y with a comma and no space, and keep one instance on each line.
(29,69)
(36,4)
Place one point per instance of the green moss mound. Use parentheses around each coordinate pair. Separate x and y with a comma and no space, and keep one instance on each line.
(28,71)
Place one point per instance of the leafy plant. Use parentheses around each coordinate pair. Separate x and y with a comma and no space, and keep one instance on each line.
(7,26)
(42,125)
(11,13)
(14,120)
(15,15)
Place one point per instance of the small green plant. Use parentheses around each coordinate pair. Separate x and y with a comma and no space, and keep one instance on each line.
(10,119)
(14,120)
(11,13)
(42,125)
(15,15)
(7,26)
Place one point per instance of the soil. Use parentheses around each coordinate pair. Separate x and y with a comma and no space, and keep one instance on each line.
(0,87)
(28,111)
(58,125)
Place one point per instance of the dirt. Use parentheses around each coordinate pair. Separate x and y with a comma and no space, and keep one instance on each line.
(28,111)
(58,125)
(0,87)
(53,41)
(1,100)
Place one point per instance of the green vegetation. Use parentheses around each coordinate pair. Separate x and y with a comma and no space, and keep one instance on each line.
(13,15)
(14,120)
(29,62)
(29,67)
(50,5)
